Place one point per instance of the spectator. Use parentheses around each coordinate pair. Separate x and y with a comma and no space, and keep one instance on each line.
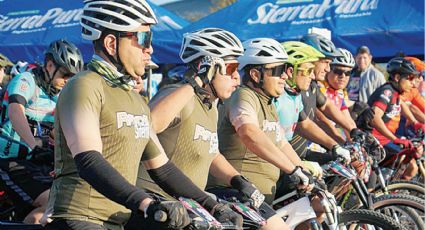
(366,78)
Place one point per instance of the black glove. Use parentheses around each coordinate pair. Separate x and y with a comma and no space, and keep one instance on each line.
(40,155)
(223,213)
(176,214)
(357,134)
(249,191)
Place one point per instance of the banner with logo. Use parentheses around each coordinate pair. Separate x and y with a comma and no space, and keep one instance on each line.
(386,26)
(28,27)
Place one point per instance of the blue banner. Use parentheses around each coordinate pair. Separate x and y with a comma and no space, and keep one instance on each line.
(28,27)
(386,26)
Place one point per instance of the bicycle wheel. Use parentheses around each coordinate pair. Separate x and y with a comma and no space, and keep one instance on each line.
(406,209)
(413,188)
(367,219)
(403,187)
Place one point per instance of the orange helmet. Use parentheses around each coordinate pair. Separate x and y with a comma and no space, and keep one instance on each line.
(419,65)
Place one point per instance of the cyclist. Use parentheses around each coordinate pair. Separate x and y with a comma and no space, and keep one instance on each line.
(290,106)
(249,133)
(313,98)
(336,81)
(104,131)
(197,120)
(387,105)
(27,120)
(412,97)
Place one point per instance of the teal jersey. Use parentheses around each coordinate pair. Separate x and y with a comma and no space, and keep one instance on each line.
(39,109)
(289,108)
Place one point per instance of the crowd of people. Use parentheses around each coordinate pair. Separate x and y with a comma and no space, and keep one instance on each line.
(81,148)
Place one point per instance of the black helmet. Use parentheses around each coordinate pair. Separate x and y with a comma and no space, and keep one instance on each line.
(67,55)
(322,44)
(401,66)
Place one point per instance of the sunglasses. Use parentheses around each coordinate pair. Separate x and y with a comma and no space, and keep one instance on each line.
(306,71)
(143,38)
(277,71)
(341,72)
(231,68)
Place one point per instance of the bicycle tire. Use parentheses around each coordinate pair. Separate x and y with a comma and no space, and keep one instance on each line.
(363,216)
(408,204)
(411,186)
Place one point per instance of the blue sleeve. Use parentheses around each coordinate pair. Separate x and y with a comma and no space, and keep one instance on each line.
(22,85)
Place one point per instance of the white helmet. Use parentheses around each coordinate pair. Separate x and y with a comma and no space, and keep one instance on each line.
(213,42)
(262,51)
(116,15)
(346,59)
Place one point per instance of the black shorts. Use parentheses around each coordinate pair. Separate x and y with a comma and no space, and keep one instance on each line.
(23,180)
(265,210)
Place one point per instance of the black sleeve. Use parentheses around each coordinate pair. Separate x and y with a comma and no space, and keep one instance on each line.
(16,98)
(175,183)
(93,168)
(320,98)
(302,116)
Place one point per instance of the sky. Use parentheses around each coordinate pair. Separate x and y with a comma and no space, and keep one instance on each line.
(160,2)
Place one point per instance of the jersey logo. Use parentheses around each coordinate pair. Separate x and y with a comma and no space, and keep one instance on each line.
(386,95)
(203,134)
(139,122)
(395,111)
(272,126)
(23,87)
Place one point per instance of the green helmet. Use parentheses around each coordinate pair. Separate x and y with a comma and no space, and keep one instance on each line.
(4,61)
(298,53)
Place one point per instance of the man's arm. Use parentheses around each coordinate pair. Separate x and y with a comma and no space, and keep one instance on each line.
(290,153)
(222,169)
(257,141)
(417,113)
(379,124)
(326,125)
(405,110)
(166,107)
(332,112)
(309,130)
(169,177)
(16,113)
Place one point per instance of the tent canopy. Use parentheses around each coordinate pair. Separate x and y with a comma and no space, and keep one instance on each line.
(385,26)
(28,27)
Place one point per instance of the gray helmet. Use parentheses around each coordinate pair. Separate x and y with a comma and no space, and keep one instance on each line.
(322,44)
(401,66)
(67,55)
(346,59)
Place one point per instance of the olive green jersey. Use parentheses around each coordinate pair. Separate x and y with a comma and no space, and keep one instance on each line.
(248,106)
(190,141)
(123,120)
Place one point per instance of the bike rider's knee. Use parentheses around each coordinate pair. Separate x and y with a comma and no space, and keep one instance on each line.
(42,199)
(275,222)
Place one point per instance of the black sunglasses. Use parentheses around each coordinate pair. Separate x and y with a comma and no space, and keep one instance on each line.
(277,71)
(143,38)
(340,72)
